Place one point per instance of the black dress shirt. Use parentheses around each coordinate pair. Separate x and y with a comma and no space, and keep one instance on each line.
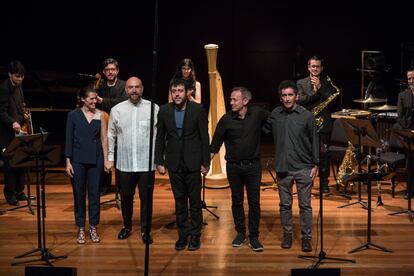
(241,136)
(295,137)
(112,95)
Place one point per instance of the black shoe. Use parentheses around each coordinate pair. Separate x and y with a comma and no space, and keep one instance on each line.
(181,243)
(12,200)
(406,195)
(239,240)
(287,241)
(194,243)
(145,238)
(21,196)
(124,233)
(306,245)
(255,244)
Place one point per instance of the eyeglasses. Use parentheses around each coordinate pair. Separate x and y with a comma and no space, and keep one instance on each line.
(109,69)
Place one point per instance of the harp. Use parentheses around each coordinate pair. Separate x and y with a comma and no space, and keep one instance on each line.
(216,110)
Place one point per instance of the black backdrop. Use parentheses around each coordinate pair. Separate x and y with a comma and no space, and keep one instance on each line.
(261,42)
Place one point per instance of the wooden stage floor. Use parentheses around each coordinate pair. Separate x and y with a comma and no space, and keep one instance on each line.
(344,229)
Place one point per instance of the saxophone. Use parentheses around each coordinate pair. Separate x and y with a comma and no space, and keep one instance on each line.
(346,169)
(318,109)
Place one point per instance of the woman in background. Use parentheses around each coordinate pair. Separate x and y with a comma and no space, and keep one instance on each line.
(185,70)
(85,151)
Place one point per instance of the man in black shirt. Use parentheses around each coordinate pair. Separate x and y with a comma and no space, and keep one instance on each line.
(406,121)
(296,159)
(313,91)
(111,92)
(240,130)
(12,118)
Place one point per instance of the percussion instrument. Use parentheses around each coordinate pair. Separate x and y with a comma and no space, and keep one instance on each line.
(370,100)
(385,107)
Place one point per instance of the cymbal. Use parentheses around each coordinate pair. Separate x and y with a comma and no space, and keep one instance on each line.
(384,107)
(370,100)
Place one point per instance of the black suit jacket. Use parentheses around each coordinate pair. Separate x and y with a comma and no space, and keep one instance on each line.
(405,109)
(11,99)
(192,147)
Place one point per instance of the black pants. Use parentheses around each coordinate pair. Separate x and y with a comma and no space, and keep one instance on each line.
(13,179)
(127,184)
(186,188)
(247,174)
(324,165)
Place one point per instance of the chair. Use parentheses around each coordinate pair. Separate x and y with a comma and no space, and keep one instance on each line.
(395,159)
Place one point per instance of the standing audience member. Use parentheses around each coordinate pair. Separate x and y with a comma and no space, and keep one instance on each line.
(129,125)
(296,159)
(12,118)
(240,131)
(86,151)
(182,147)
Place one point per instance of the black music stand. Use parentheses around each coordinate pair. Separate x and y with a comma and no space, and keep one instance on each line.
(406,138)
(360,133)
(322,254)
(30,151)
(367,178)
(203,201)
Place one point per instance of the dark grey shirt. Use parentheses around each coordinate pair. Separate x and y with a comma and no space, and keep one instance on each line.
(295,137)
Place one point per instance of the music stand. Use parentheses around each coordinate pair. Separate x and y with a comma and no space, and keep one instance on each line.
(367,178)
(203,201)
(406,138)
(360,133)
(29,151)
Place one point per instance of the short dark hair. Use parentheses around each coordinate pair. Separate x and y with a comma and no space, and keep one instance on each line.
(16,67)
(315,57)
(244,92)
(108,61)
(179,81)
(410,69)
(288,84)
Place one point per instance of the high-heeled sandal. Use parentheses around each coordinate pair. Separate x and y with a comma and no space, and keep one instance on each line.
(81,239)
(93,233)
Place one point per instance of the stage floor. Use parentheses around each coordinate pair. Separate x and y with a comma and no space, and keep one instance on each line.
(344,229)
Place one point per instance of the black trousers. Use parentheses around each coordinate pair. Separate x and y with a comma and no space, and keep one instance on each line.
(127,184)
(186,188)
(324,165)
(245,174)
(13,179)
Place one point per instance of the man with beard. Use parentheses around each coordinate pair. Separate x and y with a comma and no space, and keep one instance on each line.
(129,125)
(182,147)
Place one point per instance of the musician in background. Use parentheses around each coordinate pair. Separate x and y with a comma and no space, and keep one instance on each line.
(240,131)
(185,70)
(111,91)
(313,91)
(296,159)
(405,121)
(12,118)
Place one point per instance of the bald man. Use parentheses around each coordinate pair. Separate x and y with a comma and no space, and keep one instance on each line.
(129,125)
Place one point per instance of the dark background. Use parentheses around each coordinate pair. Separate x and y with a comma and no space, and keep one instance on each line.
(260,43)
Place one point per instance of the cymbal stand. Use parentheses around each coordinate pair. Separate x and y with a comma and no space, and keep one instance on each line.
(29,197)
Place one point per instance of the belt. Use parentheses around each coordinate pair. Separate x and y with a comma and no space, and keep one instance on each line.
(244,162)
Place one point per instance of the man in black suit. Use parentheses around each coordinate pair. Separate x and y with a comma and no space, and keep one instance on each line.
(314,90)
(182,146)
(12,118)
(406,121)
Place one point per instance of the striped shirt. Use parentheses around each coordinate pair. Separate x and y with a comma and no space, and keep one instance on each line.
(129,126)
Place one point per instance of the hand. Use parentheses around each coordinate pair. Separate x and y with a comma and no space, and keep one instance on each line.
(161,169)
(26,116)
(108,166)
(16,127)
(204,170)
(69,169)
(316,83)
(100,100)
(314,172)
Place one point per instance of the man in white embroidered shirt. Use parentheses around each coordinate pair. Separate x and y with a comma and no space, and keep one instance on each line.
(129,125)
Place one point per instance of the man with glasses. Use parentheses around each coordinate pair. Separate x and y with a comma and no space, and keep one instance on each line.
(110,92)
(313,91)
